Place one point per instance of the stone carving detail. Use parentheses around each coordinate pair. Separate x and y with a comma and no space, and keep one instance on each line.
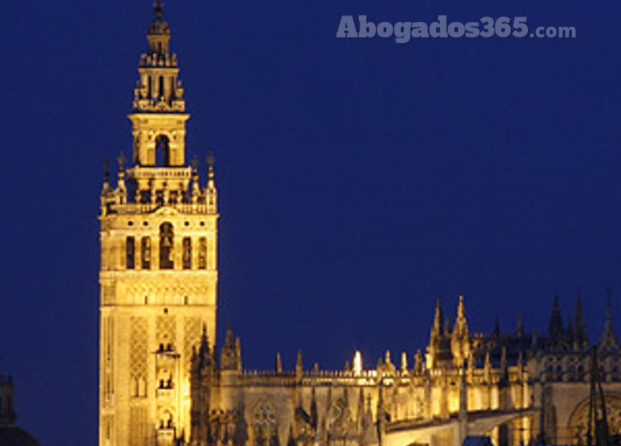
(339,419)
(138,357)
(264,425)
(165,331)
(580,419)
(107,327)
(164,292)
(139,426)
(108,294)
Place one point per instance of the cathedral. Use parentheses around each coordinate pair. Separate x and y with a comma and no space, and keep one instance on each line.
(164,380)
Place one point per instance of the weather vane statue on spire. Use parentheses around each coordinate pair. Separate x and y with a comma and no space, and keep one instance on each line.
(158,8)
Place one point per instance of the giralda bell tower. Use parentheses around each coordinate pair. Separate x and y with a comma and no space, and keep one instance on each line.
(158,264)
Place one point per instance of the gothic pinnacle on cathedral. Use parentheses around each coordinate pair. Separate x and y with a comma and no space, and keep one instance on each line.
(460,340)
(608,339)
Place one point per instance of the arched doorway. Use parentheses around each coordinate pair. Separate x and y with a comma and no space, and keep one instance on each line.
(579,419)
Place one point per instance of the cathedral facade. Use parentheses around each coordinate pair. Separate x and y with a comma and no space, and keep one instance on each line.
(164,380)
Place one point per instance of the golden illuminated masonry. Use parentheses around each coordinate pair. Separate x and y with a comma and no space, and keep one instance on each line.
(164,381)
(158,263)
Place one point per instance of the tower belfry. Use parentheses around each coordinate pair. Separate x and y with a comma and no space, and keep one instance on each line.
(158,273)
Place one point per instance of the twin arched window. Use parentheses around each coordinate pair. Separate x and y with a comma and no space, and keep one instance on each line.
(166,251)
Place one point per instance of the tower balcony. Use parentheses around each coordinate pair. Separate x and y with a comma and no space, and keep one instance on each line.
(160,173)
(146,208)
(152,105)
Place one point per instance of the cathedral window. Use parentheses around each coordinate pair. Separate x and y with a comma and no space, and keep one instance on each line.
(187,253)
(202,253)
(130,253)
(166,246)
(145,246)
(264,426)
(580,373)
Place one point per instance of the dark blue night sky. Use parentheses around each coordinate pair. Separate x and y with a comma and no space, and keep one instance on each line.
(359,179)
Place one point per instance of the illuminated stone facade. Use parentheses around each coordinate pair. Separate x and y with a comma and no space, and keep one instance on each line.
(517,388)
(158,264)
(164,380)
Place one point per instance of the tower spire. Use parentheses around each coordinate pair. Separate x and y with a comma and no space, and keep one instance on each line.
(555,327)
(581,338)
(438,318)
(159,12)
(608,340)
(211,161)
(460,341)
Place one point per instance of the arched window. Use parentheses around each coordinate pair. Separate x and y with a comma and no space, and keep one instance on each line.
(130,253)
(162,151)
(187,253)
(166,420)
(166,246)
(202,253)
(265,433)
(146,252)
(161,86)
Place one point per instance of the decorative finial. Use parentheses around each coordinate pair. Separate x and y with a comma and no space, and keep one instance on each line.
(106,171)
(158,9)
(358,367)
(211,160)
(121,160)
(278,363)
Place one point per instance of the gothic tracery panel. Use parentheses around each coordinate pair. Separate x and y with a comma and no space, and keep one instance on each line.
(264,425)
(339,419)
(138,356)
(166,330)
(579,421)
